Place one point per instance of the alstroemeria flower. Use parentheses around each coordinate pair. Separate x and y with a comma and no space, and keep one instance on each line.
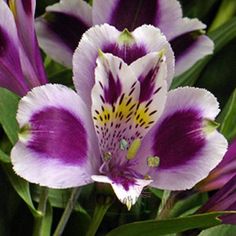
(64,23)
(133,134)
(223,200)
(222,173)
(128,46)
(21,67)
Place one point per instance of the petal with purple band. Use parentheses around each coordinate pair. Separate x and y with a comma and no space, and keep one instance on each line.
(31,59)
(124,14)
(48,116)
(186,151)
(114,96)
(11,76)
(164,14)
(126,196)
(62,27)
(136,44)
(120,107)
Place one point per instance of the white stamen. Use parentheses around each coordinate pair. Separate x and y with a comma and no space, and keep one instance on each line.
(123,144)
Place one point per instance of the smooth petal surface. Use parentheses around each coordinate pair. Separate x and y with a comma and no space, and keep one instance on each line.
(127,197)
(129,46)
(62,27)
(11,76)
(164,14)
(30,55)
(186,151)
(222,173)
(57,140)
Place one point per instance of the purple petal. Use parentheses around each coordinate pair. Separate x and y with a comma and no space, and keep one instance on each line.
(140,42)
(24,17)
(222,173)
(164,14)
(118,105)
(52,126)
(62,28)
(194,49)
(187,153)
(56,132)
(11,76)
(125,14)
(223,200)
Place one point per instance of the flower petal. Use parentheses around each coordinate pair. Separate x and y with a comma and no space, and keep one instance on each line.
(62,28)
(189,48)
(126,196)
(129,46)
(11,76)
(223,200)
(222,173)
(187,152)
(31,59)
(57,144)
(164,14)
(127,100)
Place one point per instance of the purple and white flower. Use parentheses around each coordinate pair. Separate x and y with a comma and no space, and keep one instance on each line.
(21,67)
(126,129)
(64,23)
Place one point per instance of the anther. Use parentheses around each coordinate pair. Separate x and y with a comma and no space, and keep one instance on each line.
(123,144)
(107,156)
(153,161)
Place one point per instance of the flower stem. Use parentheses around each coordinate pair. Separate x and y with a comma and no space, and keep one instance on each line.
(99,212)
(38,231)
(226,11)
(67,212)
(165,206)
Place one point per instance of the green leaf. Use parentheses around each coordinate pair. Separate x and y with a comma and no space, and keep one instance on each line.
(221,37)
(189,205)
(8,107)
(224,230)
(162,227)
(157,192)
(228,127)
(4,157)
(58,73)
(21,187)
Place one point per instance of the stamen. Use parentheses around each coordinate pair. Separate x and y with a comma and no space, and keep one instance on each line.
(133,149)
(153,161)
(107,156)
(147,177)
(123,144)
(128,202)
